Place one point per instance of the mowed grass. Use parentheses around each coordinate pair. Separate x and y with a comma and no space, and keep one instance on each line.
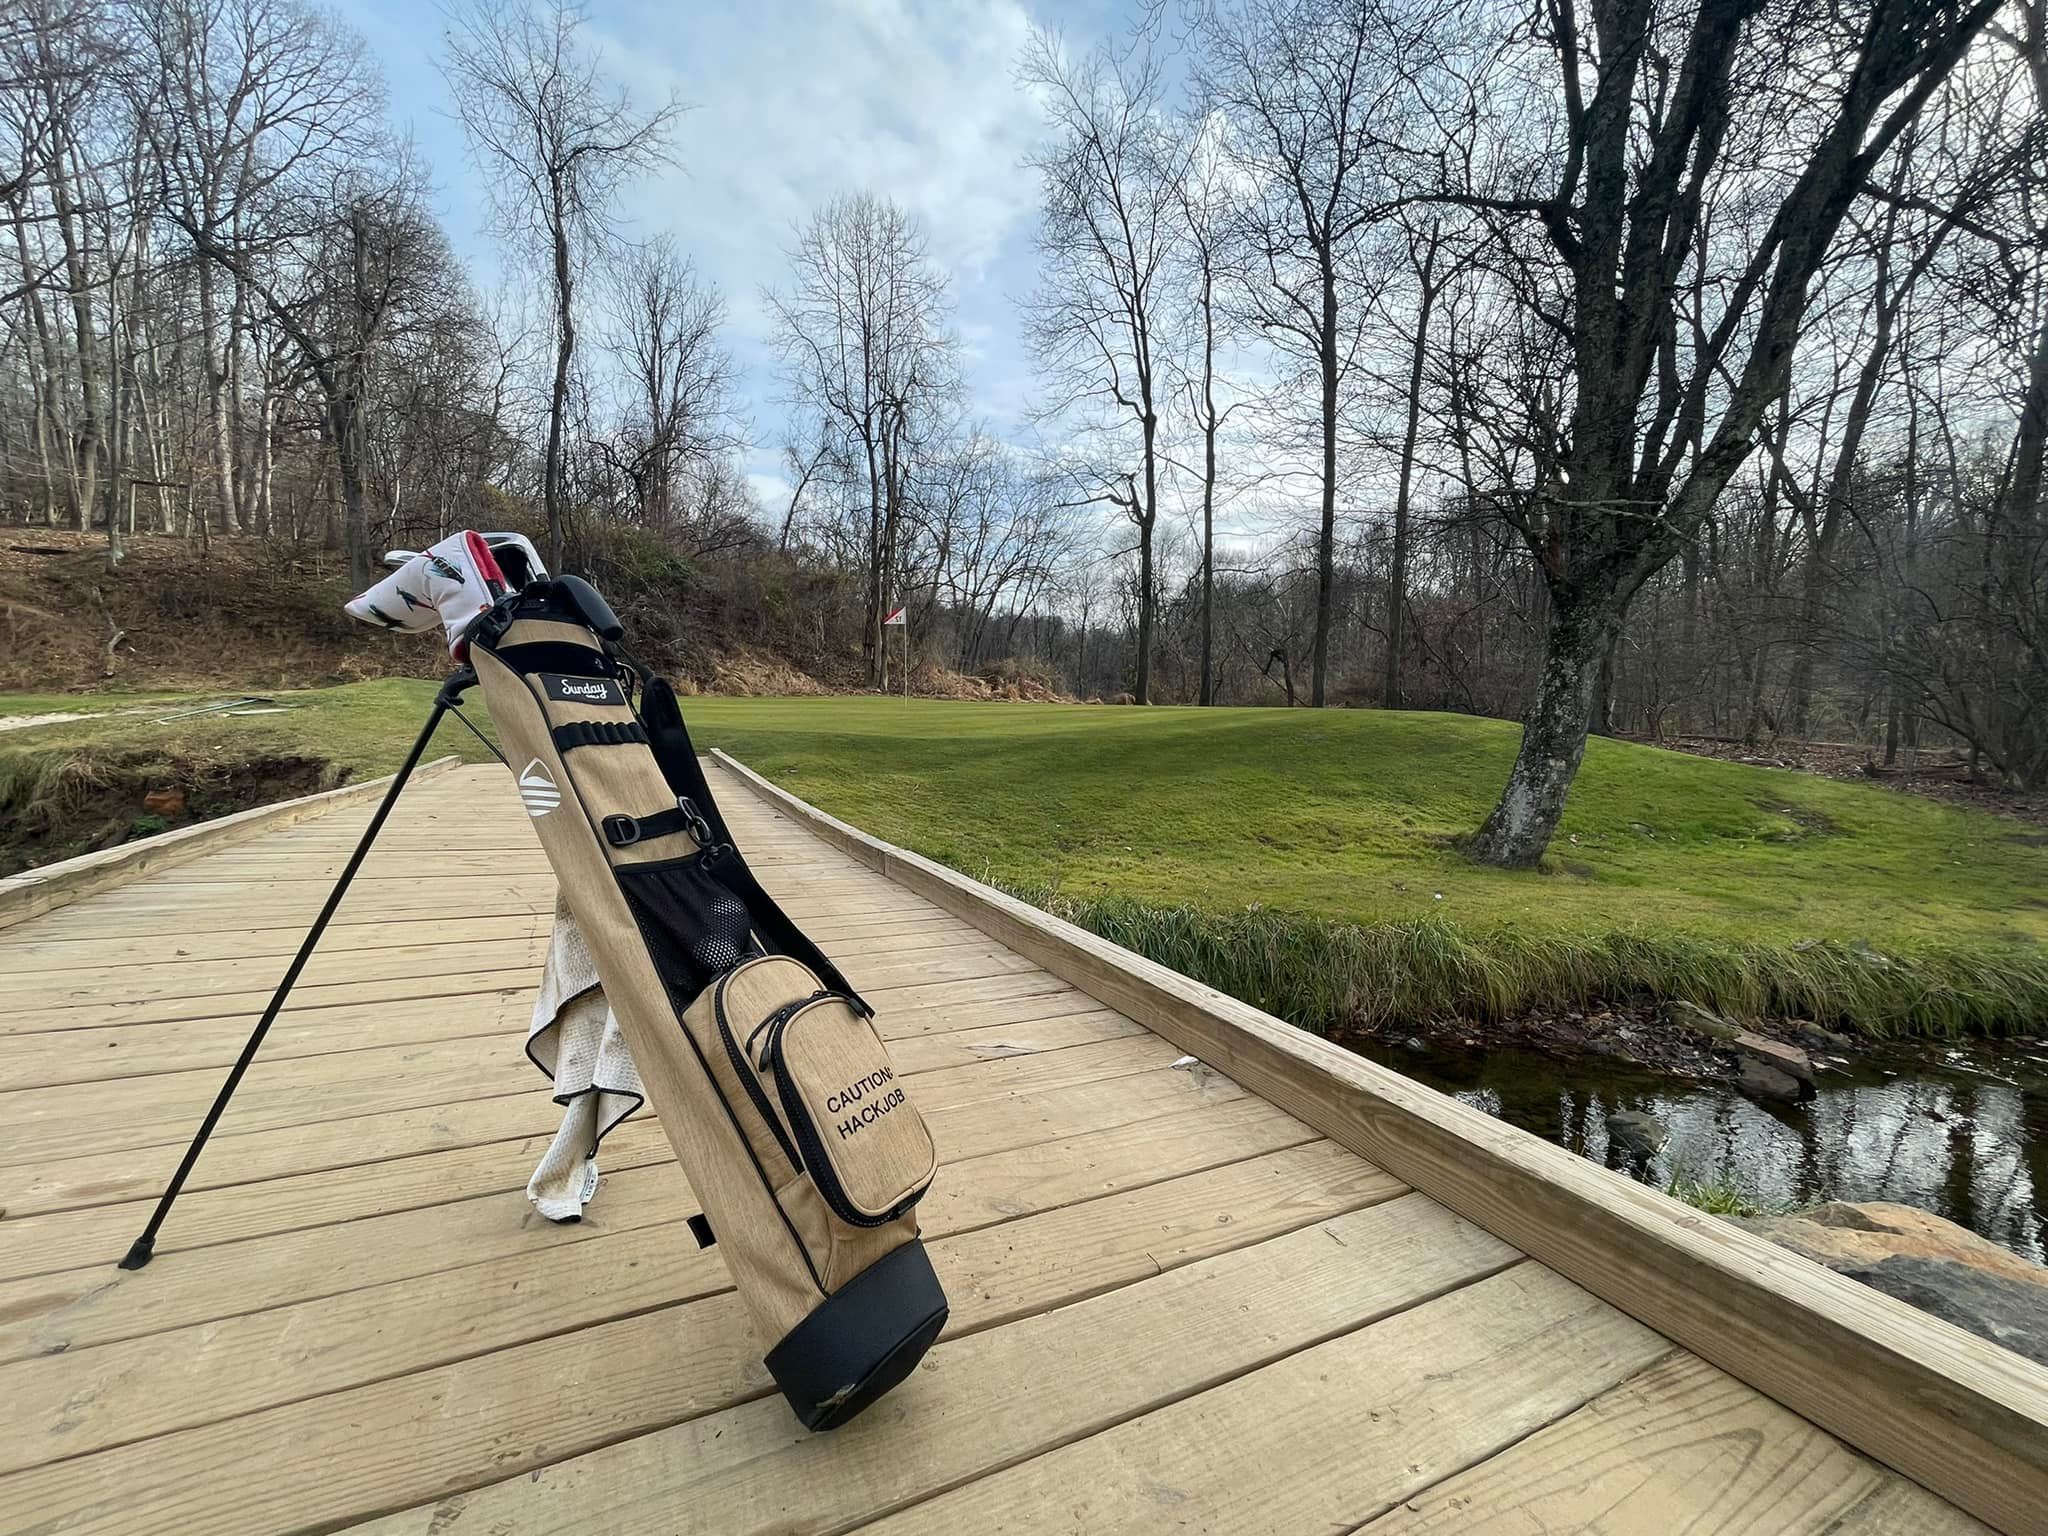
(1309,861)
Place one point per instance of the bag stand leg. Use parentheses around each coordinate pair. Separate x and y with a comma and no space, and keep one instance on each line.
(143,1248)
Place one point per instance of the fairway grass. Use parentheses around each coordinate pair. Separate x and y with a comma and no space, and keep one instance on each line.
(1309,862)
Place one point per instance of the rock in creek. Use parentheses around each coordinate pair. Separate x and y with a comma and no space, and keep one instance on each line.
(1635,1132)
(1925,1261)
(1760,1081)
(1788,1059)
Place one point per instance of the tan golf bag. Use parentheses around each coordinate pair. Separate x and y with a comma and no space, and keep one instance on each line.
(764,1066)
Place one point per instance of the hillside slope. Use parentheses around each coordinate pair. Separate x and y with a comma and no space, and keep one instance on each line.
(249,615)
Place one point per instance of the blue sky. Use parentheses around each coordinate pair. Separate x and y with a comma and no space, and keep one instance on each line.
(791,104)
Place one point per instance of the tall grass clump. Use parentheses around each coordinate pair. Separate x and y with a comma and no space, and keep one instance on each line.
(1328,976)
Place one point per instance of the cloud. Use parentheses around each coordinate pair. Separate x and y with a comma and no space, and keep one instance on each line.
(791,103)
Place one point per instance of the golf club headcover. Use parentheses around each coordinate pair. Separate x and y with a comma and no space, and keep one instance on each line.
(765,1068)
(452,584)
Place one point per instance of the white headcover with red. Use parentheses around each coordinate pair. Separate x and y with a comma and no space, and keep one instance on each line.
(451,584)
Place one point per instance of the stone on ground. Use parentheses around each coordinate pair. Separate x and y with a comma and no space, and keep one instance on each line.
(1788,1059)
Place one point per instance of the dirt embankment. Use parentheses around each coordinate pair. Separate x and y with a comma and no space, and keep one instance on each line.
(240,615)
(243,615)
(95,800)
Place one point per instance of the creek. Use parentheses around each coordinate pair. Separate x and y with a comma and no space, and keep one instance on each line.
(1957,1129)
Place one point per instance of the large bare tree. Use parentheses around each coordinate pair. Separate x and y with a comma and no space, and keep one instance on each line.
(1689,166)
(556,141)
(1315,91)
(1099,322)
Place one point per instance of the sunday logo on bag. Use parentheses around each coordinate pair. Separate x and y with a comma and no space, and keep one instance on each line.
(581,690)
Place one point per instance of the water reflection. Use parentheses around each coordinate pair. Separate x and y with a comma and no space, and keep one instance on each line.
(1962,1132)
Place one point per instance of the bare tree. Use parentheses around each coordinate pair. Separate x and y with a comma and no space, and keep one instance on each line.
(1314,90)
(556,142)
(862,332)
(1428,264)
(675,378)
(1644,165)
(241,97)
(1200,175)
(1097,323)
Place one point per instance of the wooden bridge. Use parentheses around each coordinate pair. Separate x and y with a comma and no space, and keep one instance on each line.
(1207,1273)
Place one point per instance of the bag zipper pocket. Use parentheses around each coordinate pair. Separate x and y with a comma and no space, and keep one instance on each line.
(796,1114)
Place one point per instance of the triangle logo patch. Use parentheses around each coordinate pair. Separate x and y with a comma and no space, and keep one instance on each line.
(537,790)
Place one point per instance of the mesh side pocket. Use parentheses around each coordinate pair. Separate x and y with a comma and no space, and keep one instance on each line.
(696,930)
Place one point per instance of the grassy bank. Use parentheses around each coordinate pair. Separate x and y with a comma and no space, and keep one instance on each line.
(1309,862)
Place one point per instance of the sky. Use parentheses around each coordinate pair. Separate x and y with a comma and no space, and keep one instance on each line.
(789,105)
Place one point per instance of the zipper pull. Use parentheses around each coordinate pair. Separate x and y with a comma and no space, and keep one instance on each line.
(777,1024)
(773,1026)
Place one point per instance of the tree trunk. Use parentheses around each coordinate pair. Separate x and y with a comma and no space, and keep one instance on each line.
(558,397)
(873,641)
(88,443)
(1397,577)
(1207,694)
(49,423)
(1144,689)
(212,363)
(1146,600)
(1581,629)
(892,496)
(1326,544)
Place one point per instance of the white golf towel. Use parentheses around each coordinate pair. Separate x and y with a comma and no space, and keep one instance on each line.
(576,1041)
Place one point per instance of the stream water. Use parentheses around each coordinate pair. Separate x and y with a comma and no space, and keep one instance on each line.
(1961,1131)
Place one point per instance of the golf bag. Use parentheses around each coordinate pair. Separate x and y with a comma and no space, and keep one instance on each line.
(763,1064)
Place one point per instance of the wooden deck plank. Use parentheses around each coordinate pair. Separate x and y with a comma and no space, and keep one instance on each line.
(996,1179)
(402,1441)
(1436,1388)
(44,1244)
(136,1112)
(1681,1447)
(997,1398)
(29,956)
(116,1051)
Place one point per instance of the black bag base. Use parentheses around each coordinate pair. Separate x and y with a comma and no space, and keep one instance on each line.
(865,1338)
